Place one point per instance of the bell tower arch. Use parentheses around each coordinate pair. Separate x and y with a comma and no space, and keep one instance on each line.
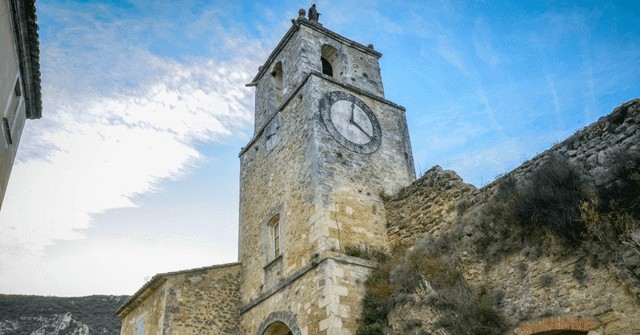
(326,145)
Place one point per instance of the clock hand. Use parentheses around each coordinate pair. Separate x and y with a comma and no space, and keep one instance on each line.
(362,130)
(352,120)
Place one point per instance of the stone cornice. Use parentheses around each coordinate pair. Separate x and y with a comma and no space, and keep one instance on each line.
(293,277)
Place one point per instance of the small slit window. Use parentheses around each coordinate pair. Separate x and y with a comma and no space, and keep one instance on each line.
(17,90)
(7,130)
(330,59)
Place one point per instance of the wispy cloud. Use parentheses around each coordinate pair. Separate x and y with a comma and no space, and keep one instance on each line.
(489,110)
(484,164)
(115,147)
(557,109)
(103,142)
(482,45)
(449,52)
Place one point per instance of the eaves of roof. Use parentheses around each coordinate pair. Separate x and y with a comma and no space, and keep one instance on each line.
(23,13)
(149,287)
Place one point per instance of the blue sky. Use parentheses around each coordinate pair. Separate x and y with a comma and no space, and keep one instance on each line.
(133,169)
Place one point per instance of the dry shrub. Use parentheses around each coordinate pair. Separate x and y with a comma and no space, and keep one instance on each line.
(622,192)
(551,198)
(376,302)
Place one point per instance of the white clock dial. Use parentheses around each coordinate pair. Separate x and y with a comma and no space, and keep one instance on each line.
(350,121)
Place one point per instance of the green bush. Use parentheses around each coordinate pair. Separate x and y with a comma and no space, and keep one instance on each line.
(376,302)
(551,198)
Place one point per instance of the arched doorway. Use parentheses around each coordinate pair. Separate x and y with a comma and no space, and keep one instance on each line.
(562,332)
(558,325)
(279,323)
(277,328)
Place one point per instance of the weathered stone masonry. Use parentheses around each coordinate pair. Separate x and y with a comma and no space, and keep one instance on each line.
(607,303)
(325,195)
(305,197)
(197,301)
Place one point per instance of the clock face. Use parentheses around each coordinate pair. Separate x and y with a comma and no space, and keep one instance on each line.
(350,121)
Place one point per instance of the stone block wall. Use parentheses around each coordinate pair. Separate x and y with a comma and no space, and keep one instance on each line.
(326,196)
(351,184)
(276,179)
(203,301)
(323,298)
(150,307)
(429,206)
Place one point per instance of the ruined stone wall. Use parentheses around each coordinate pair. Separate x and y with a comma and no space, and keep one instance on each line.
(427,207)
(568,287)
(205,302)
(431,203)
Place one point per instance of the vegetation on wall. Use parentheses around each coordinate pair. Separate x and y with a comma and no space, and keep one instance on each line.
(428,274)
(556,210)
(551,198)
(622,193)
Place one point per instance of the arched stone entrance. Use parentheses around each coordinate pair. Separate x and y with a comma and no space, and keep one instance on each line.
(277,328)
(279,323)
(563,332)
(557,325)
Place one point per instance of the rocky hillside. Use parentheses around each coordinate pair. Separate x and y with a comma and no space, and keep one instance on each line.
(37,315)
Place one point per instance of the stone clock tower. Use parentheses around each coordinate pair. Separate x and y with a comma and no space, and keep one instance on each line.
(326,146)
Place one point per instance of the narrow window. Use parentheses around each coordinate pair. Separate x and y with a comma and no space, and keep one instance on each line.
(274,237)
(140,326)
(330,59)
(7,130)
(17,90)
(277,82)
